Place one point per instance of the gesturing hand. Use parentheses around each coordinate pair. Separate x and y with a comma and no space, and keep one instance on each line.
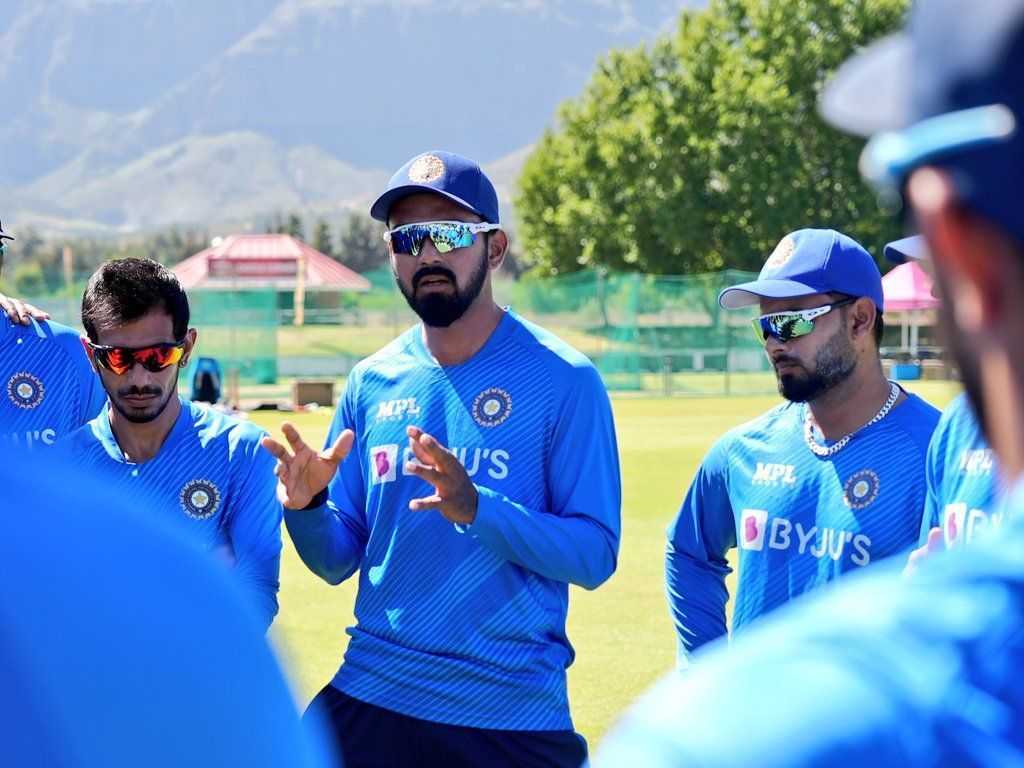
(302,473)
(455,495)
(933,545)
(19,311)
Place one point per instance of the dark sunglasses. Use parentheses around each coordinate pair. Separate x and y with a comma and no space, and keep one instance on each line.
(445,235)
(119,360)
(786,326)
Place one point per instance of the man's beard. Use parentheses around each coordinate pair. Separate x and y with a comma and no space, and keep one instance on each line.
(834,362)
(153,411)
(441,309)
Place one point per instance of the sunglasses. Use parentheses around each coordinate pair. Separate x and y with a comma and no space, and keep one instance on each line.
(3,249)
(445,235)
(785,326)
(119,360)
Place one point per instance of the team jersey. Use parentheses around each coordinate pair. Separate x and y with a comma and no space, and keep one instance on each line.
(466,625)
(876,670)
(798,519)
(47,385)
(210,479)
(962,477)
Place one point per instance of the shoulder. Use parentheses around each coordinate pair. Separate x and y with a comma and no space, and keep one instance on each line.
(565,363)
(389,360)
(216,426)
(782,421)
(917,419)
(61,336)
(80,439)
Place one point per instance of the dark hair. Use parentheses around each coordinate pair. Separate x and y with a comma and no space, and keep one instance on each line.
(879,329)
(124,290)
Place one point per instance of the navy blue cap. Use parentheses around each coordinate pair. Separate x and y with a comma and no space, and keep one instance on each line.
(912,248)
(4,234)
(458,178)
(811,261)
(949,91)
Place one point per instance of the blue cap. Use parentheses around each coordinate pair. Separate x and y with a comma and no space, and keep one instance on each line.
(947,92)
(4,234)
(810,261)
(458,178)
(899,251)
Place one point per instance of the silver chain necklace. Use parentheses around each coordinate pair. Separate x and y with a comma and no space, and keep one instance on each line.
(820,450)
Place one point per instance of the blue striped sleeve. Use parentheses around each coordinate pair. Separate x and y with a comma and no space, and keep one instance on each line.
(575,540)
(695,560)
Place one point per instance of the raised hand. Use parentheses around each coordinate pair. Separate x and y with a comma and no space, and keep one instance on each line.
(302,472)
(933,545)
(454,496)
(19,311)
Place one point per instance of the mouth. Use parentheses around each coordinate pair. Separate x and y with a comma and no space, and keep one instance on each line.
(433,282)
(785,368)
(139,401)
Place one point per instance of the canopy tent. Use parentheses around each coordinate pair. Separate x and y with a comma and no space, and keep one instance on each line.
(908,289)
(259,262)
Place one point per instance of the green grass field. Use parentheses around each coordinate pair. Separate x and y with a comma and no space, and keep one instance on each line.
(621,631)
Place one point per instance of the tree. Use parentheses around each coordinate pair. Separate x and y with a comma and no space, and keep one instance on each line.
(322,237)
(360,244)
(294,227)
(701,151)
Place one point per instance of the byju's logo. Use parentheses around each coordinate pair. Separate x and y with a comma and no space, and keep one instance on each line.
(757,532)
(384,463)
(960,525)
(774,474)
(753,523)
(396,410)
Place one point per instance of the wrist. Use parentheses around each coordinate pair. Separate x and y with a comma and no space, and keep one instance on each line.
(318,500)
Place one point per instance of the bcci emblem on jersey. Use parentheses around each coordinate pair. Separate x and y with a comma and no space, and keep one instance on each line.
(492,407)
(25,390)
(199,499)
(861,490)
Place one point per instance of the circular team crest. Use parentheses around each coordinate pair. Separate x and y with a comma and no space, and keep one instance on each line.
(25,390)
(492,407)
(199,499)
(782,253)
(426,169)
(861,489)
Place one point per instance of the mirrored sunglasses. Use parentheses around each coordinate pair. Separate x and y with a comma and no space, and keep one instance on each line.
(445,235)
(785,326)
(119,360)
(3,249)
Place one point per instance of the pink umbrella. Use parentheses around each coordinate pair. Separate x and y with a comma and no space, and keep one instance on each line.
(908,289)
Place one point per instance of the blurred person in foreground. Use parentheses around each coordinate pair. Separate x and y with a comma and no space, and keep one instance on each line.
(480,479)
(122,645)
(47,385)
(200,471)
(826,483)
(925,670)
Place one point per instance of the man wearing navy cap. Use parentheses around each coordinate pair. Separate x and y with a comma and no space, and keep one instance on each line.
(47,385)
(828,482)
(925,670)
(480,479)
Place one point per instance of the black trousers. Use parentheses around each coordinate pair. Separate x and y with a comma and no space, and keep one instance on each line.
(371,737)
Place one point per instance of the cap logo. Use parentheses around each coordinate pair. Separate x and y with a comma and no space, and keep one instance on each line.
(426,169)
(782,253)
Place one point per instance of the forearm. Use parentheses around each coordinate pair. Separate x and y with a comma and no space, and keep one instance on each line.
(573,548)
(696,596)
(259,580)
(328,547)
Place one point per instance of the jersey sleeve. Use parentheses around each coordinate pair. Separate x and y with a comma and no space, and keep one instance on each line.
(699,538)
(254,526)
(331,539)
(933,473)
(576,540)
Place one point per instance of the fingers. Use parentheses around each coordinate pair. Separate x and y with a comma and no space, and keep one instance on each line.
(341,446)
(419,451)
(934,543)
(29,310)
(423,472)
(279,451)
(438,454)
(426,503)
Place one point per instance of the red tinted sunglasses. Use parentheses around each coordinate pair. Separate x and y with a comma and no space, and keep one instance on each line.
(155,358)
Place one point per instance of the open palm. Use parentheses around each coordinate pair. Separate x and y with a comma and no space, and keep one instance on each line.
(302,472)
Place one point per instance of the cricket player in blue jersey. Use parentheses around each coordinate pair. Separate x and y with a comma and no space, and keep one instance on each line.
(201,471)
(47,386)
(480,480)
(924,670)
(829,481)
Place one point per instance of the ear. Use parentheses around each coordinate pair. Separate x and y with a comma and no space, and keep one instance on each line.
(88,352)
(860,316)
(497,247)
(190,343)
(967,251)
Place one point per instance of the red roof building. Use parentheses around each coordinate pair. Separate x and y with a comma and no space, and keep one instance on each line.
(258,262)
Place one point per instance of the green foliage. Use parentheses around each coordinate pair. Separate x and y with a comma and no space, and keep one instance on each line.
(28,279)
(360,244)
(322,238)
(702,150)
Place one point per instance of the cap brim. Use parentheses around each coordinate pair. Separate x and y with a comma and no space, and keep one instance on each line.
(749,294)
(871,91)
(382,206)
(899,251)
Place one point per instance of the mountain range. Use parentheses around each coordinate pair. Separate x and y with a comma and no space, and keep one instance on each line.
(121,115)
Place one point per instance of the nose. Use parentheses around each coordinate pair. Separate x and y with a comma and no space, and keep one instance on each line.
(773,346)
(428,252)
(136,375)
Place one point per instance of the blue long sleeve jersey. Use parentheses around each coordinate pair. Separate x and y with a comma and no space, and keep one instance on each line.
(47,385)
(211,479)
(799,520)
(466,625)
(875,670)
(962,475)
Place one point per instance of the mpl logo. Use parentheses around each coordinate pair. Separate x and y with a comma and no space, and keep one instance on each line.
(396,410)
(980,462)
(774,474)
(384,463)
